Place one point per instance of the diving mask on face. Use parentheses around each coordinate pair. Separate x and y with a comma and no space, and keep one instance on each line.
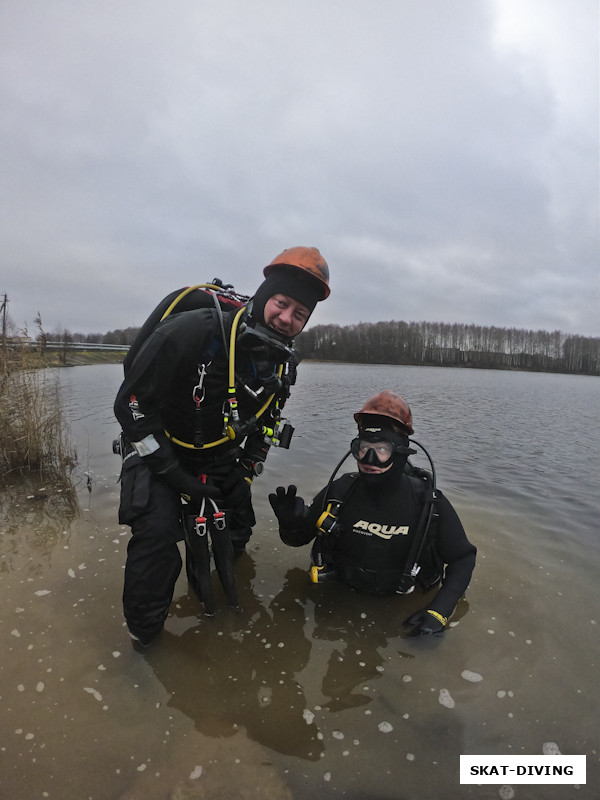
(377,447)
(256,338)
(375,454)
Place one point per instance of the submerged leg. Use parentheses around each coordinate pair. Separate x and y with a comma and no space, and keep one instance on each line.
(153,560)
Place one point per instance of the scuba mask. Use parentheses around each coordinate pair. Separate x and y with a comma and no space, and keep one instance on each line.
(261,341)
(377,447)
(266,348)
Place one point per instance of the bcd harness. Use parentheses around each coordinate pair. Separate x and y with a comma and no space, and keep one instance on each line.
(424,483)
(280,433)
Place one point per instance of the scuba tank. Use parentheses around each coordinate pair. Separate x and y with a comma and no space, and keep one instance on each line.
(216,295)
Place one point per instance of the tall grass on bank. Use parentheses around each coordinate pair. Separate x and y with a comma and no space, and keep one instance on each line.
(33,436)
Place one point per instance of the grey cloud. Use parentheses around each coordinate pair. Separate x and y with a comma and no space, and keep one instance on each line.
(152,145)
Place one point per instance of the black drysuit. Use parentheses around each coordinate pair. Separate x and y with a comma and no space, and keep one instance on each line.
(178,383)
(377,522)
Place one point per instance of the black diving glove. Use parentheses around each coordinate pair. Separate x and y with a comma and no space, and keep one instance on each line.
(192,489)
(164,462)
(425,623)
(289,509)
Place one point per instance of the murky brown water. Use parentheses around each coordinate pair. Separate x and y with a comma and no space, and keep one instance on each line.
(310,691)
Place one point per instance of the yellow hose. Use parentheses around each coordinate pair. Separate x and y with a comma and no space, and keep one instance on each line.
(231,371)
(182,294)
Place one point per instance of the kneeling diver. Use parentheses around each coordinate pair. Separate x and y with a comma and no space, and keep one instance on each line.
(386,527)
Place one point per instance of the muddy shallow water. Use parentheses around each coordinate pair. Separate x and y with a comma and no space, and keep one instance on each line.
(311,690)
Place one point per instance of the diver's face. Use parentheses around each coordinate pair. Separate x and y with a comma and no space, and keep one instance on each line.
(285,315)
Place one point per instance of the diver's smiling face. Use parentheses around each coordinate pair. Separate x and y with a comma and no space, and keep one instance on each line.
(285,315)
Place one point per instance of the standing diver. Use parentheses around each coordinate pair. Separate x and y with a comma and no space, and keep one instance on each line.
(200,407)
(386,527)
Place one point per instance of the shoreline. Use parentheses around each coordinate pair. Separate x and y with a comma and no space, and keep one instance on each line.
(71,358)
(80,358)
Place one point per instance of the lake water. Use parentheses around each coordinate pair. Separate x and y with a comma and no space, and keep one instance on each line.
(310,691)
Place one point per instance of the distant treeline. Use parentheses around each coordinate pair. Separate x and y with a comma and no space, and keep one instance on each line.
(119,336)
(442,344)
(432,344)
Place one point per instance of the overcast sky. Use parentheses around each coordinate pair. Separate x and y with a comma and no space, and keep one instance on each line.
(442,154)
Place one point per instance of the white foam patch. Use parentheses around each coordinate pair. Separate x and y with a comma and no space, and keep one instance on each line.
(445,699)
(196,772)
(93,692)
(506,792)
(308,716)
(551,749)
(385,727)
(468,675)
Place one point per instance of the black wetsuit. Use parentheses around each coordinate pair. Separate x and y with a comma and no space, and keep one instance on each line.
(178,383)
(377,522)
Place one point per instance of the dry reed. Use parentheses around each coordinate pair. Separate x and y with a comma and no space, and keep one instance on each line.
(33,436)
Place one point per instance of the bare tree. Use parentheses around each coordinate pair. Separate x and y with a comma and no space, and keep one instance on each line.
(436,343)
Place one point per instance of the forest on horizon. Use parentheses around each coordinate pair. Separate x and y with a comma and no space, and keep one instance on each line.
(431,344)
(452,345)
